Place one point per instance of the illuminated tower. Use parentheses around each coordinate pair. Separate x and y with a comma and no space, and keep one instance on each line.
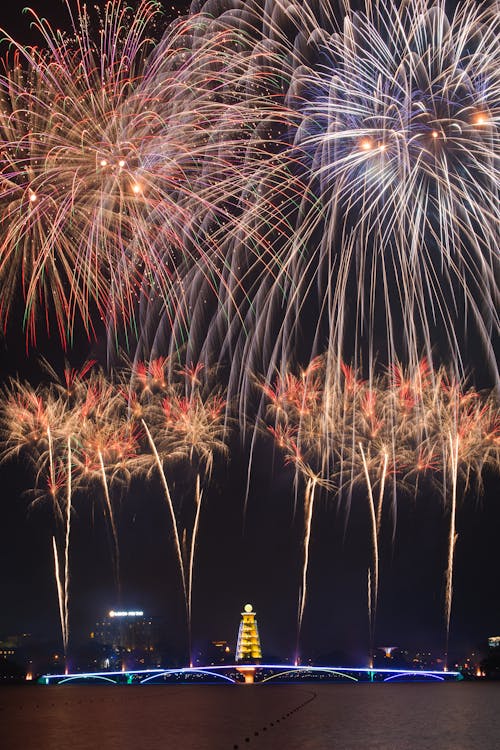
(248,648)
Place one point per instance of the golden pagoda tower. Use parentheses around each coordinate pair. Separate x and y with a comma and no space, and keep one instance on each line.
(248,648)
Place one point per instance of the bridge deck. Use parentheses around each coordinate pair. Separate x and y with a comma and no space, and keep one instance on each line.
(259,674)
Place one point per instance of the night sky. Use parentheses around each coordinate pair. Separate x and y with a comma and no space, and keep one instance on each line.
(255,561)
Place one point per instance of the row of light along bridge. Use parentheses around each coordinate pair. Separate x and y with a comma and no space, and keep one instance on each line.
(250,673)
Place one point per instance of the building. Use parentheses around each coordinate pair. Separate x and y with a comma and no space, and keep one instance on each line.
(248,648)
(130,630)
(19,640)
(7,653)
(126,638)
(219,652)
(494,641)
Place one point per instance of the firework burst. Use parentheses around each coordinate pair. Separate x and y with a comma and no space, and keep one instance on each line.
(371,228)
(404,424)
(36,424)
(107,154)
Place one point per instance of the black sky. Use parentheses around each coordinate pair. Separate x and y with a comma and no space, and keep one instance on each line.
(259,563)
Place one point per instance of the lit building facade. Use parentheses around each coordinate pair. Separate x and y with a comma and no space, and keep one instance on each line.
(127,637)
(130,630)
(248,648)
(7,653)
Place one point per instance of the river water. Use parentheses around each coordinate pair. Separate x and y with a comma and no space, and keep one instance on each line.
(450,716)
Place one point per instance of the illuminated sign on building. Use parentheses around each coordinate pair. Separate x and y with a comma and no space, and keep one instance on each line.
(494,641)
(130,613)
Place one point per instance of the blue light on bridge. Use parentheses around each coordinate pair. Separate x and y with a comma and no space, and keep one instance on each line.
(264,673)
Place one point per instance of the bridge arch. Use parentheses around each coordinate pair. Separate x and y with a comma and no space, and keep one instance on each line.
(299,670)
(170,672)
(422,675)
(87,678)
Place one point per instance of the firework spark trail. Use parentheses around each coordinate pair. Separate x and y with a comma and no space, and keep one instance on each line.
(52,474)
(453,446)
(381,491)
(60,595)
(253,114)
(170,506)
(67,424)
(111,516)
(194,538)
(309,510)
(66,545)
(375,535)
(370,615)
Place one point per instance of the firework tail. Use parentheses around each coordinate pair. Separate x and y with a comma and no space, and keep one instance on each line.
(60,592)
(52,472)
(370,622)
(111,517)
(66,552)
(452,539)
(309,509)
(199,495)
(373,588)
(381,492)
(172,512)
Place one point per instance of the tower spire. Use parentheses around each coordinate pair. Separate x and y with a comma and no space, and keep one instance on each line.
(248,648)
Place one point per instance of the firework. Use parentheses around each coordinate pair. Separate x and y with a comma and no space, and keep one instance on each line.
(258,183)
(109,451)
(463,428)
(144,391)
(72,434)
(400,130)
(107,152)
(405,423)
(369,228)
(184,422)
(203,431)
(36,425)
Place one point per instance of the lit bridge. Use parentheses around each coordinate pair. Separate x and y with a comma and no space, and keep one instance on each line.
(244,673)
